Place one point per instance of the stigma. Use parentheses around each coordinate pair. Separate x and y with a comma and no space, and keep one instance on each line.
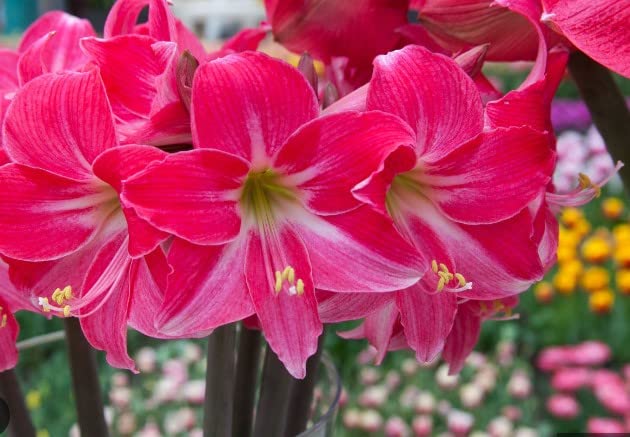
(453,282)
(287,276)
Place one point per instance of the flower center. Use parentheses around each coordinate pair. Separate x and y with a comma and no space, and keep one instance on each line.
(263,192)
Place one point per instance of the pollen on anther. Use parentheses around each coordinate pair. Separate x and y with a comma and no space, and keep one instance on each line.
(291,276)
(3,323)
(441,283)
(300,287)
(43,301)
(278,285)
(66,311)
(460,279)
(443,268)
(434,266)
(67,292)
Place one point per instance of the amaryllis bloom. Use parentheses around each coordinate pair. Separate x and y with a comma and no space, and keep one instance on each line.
(263,208)
(460,197)
(65,235)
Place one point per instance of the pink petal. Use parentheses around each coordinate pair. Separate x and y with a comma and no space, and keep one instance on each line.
(131,86)
(247,39)
(358,251)
(124,14)
(599,29)
(63,51)
(60,112)
(362,29)
(118,164)
(444,108)
(8,69)
(147,276)
(8,336)
(192,195)
(248,104)
(106,325)
(327,157)
(288,318)
(31,62)
(492,177)
(378,329)
(461,24)
(206,289)
(39,279)
(530,105)
(427,320)
(13,298)
(187,40)
(44,216)
(462,339)
(340,307)
(498,259)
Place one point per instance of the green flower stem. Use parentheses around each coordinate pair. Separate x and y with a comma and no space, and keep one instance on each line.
(247,370)
(86,387)
(273,404)
(220,375)
(607,107)
(301,396)
(20,421)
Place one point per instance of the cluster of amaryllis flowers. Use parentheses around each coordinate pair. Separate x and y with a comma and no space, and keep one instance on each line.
(149,184)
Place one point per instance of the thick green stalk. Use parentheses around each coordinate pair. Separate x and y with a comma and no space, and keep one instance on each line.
(220,374)
(607,107)
(86,387)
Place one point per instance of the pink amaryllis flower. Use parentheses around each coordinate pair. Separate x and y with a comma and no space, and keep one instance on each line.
(65,236)
(461,197)
(263,209)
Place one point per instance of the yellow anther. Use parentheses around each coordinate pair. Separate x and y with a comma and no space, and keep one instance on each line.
(460,279)
(67,292)
(56,296)
(285,273)
(441,283)
(434,266)
(291,275)
(66,311)
(278,285)
(300,287)
(3,323)
(444,268)
(497,305)
(585,182)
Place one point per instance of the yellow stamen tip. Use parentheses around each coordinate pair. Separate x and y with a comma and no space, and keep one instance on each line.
(67,292)
(434,266)
(278,285)
(291,275)
(285,273)
(4,321)
(66,311)
(443,268)
(300,287)
(441,283)
(460,279)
